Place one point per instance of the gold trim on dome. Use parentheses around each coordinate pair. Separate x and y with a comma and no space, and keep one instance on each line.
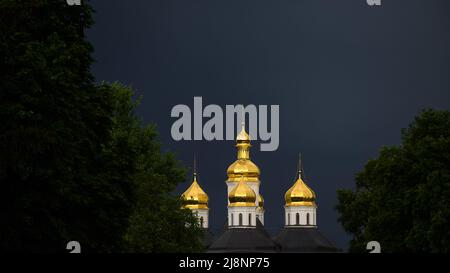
(243,136)
(194,197)
(243,166)
(242,195)
(300,194)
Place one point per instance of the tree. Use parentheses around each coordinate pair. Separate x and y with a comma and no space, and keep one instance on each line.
(156,224)
(72,154)
(402,197)
(53,122)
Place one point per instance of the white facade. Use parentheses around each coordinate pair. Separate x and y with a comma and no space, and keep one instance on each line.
(300,216)
(260,214)
(257,212)
(242,217)
(202,216)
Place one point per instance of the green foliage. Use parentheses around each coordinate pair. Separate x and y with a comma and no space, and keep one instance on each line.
(402,198)
(53,121)
(75,162)
(157,224)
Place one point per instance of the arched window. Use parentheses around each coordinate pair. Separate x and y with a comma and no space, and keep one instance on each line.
(289,219)
(297,219)
(240,219)
(307,219)
(201,222)
(232,220)
(249,219)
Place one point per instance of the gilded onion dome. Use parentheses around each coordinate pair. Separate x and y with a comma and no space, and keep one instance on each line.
(194,197)
(242,195)
(243,166)
(300,194)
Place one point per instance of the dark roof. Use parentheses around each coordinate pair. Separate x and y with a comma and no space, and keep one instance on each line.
(307,239)
(208,238)
(244,240)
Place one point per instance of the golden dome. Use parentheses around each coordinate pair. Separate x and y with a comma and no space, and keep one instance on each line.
(243,166)
(260,201)
(242,195)
(194,197)
(243,136)
(300,194)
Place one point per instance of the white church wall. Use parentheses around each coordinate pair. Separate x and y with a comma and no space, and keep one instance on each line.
(233,217)
(304,212)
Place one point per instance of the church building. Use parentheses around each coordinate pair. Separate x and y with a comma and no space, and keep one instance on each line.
(244,231)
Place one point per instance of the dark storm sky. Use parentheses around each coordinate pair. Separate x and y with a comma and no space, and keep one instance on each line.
(347,77)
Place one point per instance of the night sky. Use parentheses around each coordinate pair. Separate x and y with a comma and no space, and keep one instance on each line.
(347,77)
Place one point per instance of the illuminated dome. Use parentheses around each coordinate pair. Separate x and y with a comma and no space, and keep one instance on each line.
(242,195)
(243,166)
(300,194)
(194,197)
(243,136)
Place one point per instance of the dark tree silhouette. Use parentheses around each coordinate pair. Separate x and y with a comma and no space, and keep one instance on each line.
(75,162)
(402,198)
